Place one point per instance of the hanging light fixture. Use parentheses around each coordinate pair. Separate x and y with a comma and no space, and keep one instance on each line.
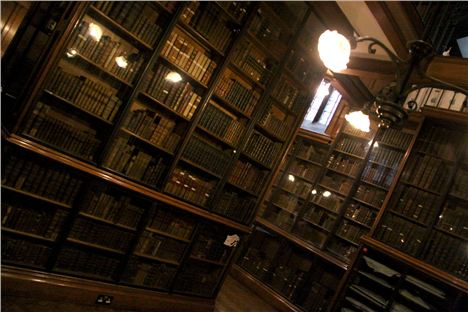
(388,103)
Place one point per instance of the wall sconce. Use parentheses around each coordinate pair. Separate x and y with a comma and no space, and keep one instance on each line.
(334,50)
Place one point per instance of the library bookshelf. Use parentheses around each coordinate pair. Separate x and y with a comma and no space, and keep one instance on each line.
(145,141)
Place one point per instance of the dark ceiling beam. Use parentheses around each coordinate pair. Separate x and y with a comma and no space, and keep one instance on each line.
(352,88)
(370,68)
(331,16)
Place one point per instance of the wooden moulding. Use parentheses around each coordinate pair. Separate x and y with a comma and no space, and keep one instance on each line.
(54,287)
(102,174)
(265,292)
(418,264)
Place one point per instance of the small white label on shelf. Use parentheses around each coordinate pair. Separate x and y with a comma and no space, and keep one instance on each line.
(232,240)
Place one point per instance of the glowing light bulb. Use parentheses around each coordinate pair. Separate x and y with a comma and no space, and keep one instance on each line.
(291,178)
(326,194)
(121,61)
(95,31)
(359,120)
(72,53)
(173,77)
(334,50)
(314,191)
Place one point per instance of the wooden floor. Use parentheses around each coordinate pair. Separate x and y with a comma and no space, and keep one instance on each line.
(233,297)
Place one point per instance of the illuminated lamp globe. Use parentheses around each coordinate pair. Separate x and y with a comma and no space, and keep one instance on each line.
(334,50)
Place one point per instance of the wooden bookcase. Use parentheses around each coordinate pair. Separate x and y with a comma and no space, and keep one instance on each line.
(148,135)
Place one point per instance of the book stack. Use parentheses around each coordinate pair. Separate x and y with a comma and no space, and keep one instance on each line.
(416,204)
(351,231)
(320,217)
(207,19)
(300,67)
(262,149)
(354,147)
(438,142)
(106,52)
(344,164)
(236,206)
(100,234)
(360,213)
(370,195)
(130,160)
(386,157)
(396,138)
(428,172)
(74,260)
(435,97)
(197,278)
(222,124)
(91,96)
(116,209)
(152,126)
(237,9)
(279,127)
(401,234)
(23,252)
(378,175)
(154,275)
(206,156)
(337,182)
(453,218)
(331,202)
(298,187)
(155,245)
(306,171)
(178,96)
(237,94)
(286,93)
(168,222)
(69,134)
(26,219)
(255,64)
(190,187)
(288,202)
(312,152)
(133,17)
(269,33)
(247,176)
(448,253)
(460,184)
(191,58)
(35,178)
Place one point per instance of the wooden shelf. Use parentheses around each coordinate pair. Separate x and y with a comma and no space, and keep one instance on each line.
(117,180)
(147,142)
(457,197)
(241,188)
(161,105)
(358,222)
(200,167)
(90,216)
(324,207)
(44,199)
(346,240)
(396,147)
(228,14)
(313,162)
(355,136)
(332,189)
(96,246)
(183,73)
(159,232)
(302,178)
(444,114)
(305,245)
(418,264)
(382,165)
(198,38)
(349,154)
(266,132)
(142,255)
(240,72)
(445,160)
(341,173)
(230,106)
(30,235)
(407,218)
(316,225)
(458,236)
(284,209)
(216,137)
(374,185)
(366,203)
(290,192)
(420,188)
(218,263)
(258,162)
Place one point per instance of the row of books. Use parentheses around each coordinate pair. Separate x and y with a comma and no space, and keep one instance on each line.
(80,261)
(351,231)
(447,253)
(320,217)
(401,234)
(126,157)
(416,204)
(153,275)
(438,141)
(197,278)
(427,172)
(354,147)
(435,97)
(460,184)
(279,217)
(312,152)
(252,62)
(100,234)
(23,218)
(116,209)
(344,164)
(49,125)
(178,96)
(349,129)
(336,182)
(280,128)
(237,9)
(386,157)
(190,187)
(287,202)
(207,156)
(210,248)
(247,176)
(133,17)
(370,195)
(300,188)
(304,170)
(222,124)
(300,67)
(330,201)
(85,93)
(114,56)
(454,219)
(35,178)
(20,251)
(237,94)
(396,138)
(262,149)
(155,245)
(152,126)
(235,206)
(376,174)
(187,55)
(286,93)
(360,213)
(207,19)
(170,223)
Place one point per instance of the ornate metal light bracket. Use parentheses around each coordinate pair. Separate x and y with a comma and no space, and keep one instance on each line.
(389,101)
